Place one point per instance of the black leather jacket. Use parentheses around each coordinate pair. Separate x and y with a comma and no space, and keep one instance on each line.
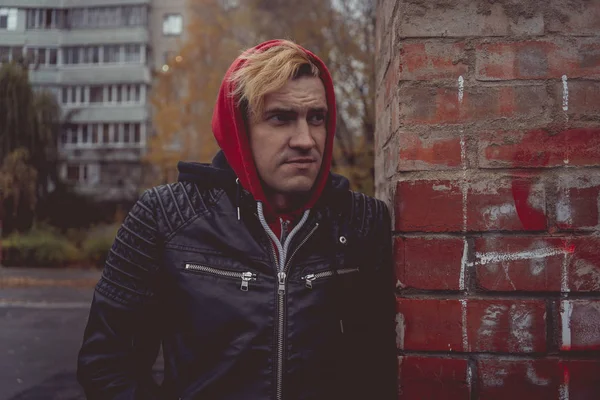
(185,272)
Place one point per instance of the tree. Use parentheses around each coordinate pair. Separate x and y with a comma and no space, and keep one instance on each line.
(29,127)
(340,32)
(186,88)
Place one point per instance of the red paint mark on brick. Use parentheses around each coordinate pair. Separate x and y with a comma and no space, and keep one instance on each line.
(531,217)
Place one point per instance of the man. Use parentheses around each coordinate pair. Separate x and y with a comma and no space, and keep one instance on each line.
(261,274)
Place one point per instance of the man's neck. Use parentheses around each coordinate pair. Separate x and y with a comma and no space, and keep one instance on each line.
(284,203)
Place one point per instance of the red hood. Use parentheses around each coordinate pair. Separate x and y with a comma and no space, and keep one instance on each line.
(230,132)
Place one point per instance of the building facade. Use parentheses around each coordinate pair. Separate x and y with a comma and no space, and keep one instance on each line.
(98,57)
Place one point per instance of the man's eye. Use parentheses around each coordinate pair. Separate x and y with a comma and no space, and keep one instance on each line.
(279,118)
(317,119)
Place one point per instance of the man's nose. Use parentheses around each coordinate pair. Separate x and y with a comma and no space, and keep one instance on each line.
(302,136)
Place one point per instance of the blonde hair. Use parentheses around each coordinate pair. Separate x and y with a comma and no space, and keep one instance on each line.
(266,71)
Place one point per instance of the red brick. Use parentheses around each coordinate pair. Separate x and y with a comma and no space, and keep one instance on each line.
(579,325)
(429,325)
(582,377)
(433,263)
(501,379)
(431,105)
(435,151)
(583,99)
(584,264)
(428,205)
(464,18)
(399,262)
(577,202)
(506,203)
(520,263)
(515,326)
(539,148)
(433,378)
(537,60)
(432,60)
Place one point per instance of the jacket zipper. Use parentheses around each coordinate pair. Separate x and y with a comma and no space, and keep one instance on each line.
(310,278)
(281,281)
(246,277)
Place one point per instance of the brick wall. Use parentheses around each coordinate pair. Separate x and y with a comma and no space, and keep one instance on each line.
(488,152)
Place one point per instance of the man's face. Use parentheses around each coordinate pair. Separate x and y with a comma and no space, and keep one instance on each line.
(288,139)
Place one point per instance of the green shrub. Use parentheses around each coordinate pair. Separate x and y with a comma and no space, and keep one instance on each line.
(97,244)
(39,247)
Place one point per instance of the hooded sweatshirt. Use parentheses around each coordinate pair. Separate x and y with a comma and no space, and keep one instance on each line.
(230,132)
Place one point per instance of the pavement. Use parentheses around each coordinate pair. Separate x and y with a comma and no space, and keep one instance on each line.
(43,313)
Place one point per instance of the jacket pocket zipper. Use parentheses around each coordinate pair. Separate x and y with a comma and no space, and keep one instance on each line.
(246,277)
(310,278)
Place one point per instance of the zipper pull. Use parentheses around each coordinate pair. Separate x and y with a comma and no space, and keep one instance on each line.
(247,277)
(309,280)
(281,277)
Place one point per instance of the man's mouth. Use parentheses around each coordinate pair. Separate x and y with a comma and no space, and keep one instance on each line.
(301,160)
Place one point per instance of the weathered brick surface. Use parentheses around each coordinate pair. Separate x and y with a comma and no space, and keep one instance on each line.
(579,325)
(491,122)
(430,263)
(433,378)
(539,59)
(539,148)
(430,151)
(432,60)
(501,379)
(440,105)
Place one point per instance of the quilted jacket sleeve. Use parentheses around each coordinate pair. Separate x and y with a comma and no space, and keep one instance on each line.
(120,342)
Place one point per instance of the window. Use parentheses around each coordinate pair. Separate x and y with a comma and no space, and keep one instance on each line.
(91,55)
(172,24)
(95,136)
(105,133)
(133,53)
(84,134)
(8,19)
(96,94)
(52,56)
(77,18)
(71,55)
(111,54)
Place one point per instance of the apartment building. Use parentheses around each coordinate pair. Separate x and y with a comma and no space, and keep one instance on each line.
(98,57)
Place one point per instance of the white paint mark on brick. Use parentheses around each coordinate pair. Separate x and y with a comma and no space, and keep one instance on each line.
(563,208)
(441,188)
(534,378)
(400,329)
(493,214)
(566,310)
(469,379)
(496,379)
(461,88)
(489,322)
(563,391)
(485,258)
(586,274)
(507,275)
(465,337)
(521,322)
(463,266)
(564,273)
(565,105)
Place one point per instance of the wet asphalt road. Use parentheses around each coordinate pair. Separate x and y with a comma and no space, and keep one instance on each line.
(43,313)
(42,317)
